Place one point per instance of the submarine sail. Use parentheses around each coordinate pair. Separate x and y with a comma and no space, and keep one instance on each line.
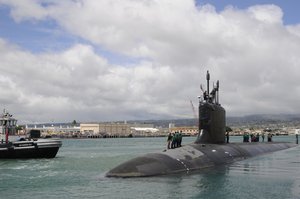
(212,123)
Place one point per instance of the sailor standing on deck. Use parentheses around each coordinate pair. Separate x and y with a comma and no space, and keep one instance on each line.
(269,137)
(176,139)
(227,137)
(169,140)
(173,144)
(179,138)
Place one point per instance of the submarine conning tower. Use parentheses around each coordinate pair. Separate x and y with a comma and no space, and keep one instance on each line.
(212,123)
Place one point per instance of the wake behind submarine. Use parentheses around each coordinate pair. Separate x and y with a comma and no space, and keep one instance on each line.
(209,149)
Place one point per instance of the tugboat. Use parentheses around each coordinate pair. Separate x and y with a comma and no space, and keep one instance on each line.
(14,147)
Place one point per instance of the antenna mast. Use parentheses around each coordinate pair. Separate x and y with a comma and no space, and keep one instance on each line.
(207,78)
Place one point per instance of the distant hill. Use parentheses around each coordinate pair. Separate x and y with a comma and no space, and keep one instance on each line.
(259,119)
(263,119)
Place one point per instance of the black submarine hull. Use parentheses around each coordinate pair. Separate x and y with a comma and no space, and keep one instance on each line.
(192,157)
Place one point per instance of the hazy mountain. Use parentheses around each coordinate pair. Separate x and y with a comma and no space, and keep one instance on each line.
(259,119)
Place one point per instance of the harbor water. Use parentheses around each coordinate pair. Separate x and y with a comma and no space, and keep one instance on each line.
(78,171)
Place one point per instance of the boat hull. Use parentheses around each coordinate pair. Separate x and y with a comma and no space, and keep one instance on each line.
(192,157)
(30,149)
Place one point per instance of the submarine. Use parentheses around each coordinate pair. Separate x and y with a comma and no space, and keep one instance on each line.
(209,149)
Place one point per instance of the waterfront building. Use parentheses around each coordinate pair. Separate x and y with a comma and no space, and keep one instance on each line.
(186,130)
(105,129)
(144,131)
(171,125)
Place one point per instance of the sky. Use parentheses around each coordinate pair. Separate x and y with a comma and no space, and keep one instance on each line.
(112,60)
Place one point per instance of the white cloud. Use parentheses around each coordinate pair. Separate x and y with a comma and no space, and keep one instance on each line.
(295,29)
(26,9)
(267,13)
(251,51)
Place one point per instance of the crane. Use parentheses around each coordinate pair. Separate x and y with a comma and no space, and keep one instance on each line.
(194,111)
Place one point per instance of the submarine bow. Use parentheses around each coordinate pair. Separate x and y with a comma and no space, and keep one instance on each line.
(208,150)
